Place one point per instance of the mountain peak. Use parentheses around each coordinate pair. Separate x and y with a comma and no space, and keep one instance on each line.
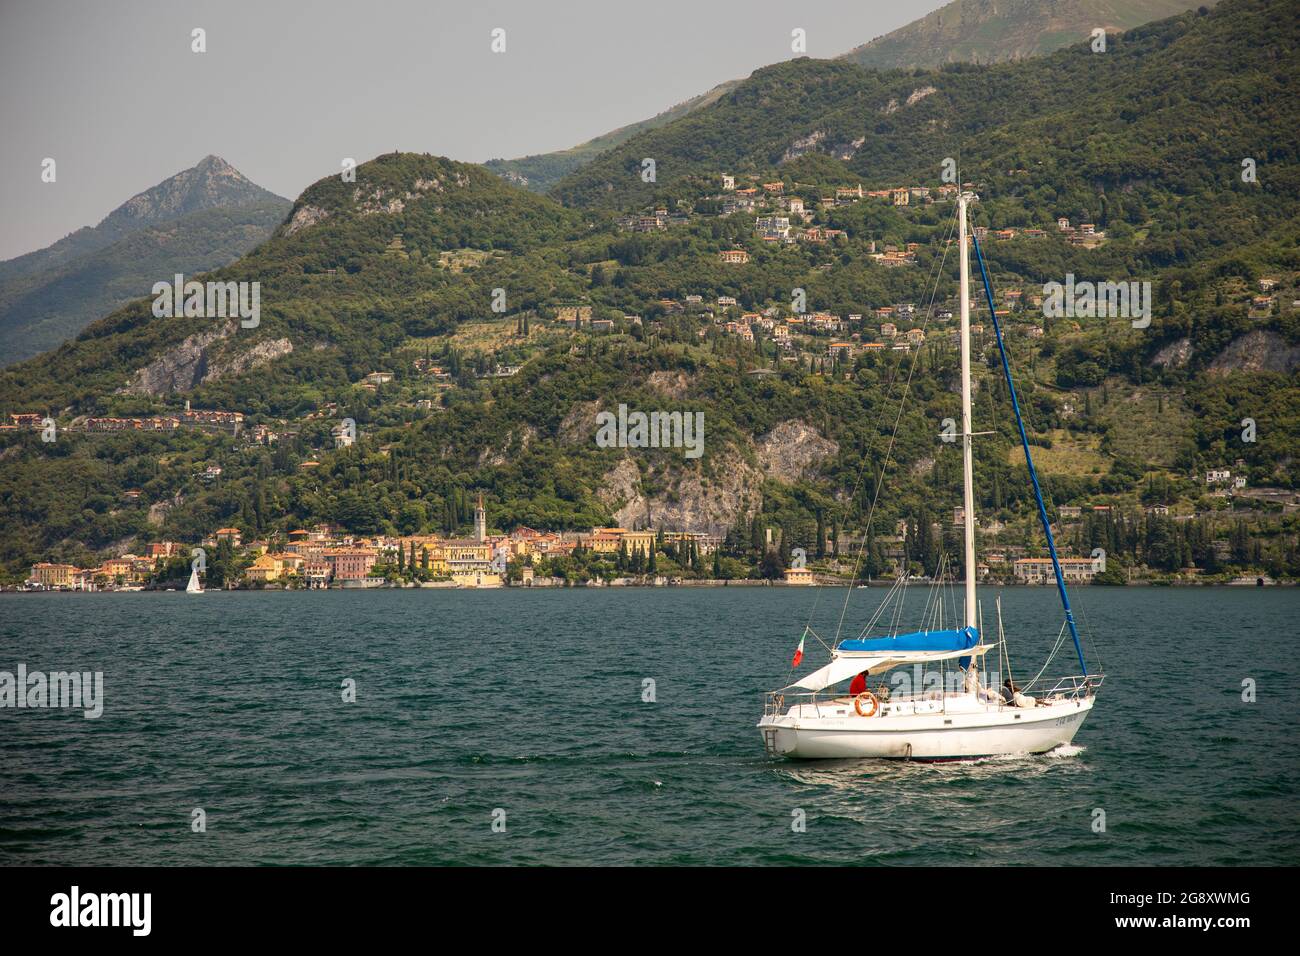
(204,216)
(214,163)
(209,184)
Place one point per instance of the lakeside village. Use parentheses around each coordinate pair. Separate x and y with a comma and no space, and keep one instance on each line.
(328,557)
(819,342)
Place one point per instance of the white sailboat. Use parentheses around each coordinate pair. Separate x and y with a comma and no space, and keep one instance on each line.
(194,587)
(809,719)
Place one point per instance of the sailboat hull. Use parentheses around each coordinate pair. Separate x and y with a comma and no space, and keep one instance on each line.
(834,731)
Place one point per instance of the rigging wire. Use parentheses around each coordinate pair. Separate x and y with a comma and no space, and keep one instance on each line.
(1060,639)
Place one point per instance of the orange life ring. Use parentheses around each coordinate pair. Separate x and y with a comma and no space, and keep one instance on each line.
(857,704)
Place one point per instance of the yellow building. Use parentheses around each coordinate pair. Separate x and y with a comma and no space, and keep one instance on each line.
(642,541)
(264,569)
(437,561)
(426,545)
(52,575)
(469,563)
(802,576)
(466,550)
(128,568)
(476,578)
(605,540)
(273,567)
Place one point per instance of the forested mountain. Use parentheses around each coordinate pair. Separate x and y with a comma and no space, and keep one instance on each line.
(467,295)
(1171,108)
(992,31)
(203,217)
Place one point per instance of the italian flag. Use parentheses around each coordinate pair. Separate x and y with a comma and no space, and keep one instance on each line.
(798,651)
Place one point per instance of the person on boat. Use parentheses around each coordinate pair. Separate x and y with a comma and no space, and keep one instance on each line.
(1011,693)
(981,692)
(858,685)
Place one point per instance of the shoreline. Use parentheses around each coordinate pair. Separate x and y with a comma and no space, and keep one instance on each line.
(707,583)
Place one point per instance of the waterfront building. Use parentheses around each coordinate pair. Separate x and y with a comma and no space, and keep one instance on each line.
(52,576)
(469,563)
(802,576)
(1039,570)
(605,540)
(351,564)
(643,541)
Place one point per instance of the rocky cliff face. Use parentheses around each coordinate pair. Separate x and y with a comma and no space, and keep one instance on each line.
(201,358)
(793,450)
(687,498)
(716,493)
(1257,352)
(1175,354)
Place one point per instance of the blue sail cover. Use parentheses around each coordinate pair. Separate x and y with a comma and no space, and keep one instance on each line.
(958,640)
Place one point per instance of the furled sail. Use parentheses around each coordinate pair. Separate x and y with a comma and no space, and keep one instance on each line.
(846,663)
(957,640)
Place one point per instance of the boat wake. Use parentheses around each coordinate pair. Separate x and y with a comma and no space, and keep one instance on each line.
(1066,750)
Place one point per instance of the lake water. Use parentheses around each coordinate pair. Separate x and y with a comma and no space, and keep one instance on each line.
(530,702)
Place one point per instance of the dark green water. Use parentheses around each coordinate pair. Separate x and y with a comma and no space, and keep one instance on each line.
(530,701)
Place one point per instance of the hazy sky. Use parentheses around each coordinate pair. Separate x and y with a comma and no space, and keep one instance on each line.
(111,90)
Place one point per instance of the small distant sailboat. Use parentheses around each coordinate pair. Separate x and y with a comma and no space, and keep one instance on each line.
(194,587)
(934,723)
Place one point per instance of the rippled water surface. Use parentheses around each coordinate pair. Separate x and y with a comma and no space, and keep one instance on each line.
(530,701)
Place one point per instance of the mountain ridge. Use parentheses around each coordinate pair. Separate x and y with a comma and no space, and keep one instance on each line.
(993,31)
(540,171)
(964,30)
(52,293)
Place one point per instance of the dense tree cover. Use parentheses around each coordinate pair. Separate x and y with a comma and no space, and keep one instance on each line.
(1172,107)
(358,282)
(517,441)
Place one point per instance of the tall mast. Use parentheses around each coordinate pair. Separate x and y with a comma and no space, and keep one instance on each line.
(967,456)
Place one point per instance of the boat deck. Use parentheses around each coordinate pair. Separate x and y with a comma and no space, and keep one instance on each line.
(924,705)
